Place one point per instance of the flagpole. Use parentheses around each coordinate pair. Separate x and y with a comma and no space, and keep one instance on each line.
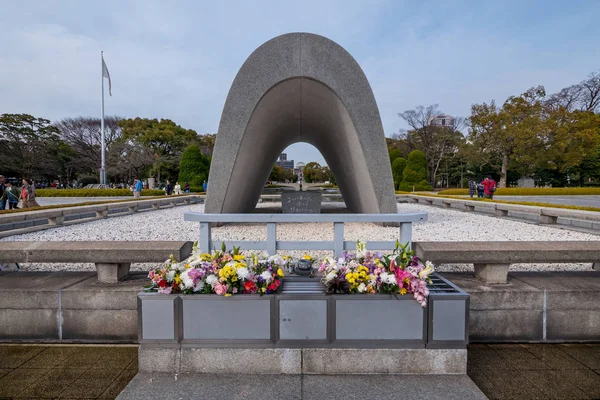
(103,162)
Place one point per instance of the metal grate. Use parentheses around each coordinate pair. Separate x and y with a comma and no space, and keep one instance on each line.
(439,285)
(303,286)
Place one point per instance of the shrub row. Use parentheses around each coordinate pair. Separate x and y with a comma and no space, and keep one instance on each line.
(94,192)
(572,191)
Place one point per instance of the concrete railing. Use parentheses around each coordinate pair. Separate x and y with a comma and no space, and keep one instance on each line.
(31,221)
(544,215)
(271,245)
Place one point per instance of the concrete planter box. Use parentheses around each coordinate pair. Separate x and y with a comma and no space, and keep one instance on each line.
(311,319)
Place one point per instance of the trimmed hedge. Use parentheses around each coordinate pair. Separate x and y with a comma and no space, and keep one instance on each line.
(522,203)
(94,192)
(85,203)
(571,191)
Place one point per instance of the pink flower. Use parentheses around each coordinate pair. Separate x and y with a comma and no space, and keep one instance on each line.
(151,275)
(221,289)
(235,290)
(401,275)
(165,290)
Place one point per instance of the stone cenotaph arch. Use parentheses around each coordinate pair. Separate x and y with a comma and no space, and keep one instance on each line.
(300,87)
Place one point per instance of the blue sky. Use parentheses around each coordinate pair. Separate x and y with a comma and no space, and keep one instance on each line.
(177,59)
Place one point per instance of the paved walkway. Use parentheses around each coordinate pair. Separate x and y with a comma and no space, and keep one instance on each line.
(536,371)
(65,372)
(528,371)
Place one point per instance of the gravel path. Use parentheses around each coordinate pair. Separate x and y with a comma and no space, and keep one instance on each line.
(443,225)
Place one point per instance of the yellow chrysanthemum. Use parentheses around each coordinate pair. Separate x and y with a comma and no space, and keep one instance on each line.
(205,257)
(241,265)
(403,291)
(280,272)
(187,266)
(238,257)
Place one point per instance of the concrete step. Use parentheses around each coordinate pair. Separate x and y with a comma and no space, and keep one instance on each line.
(165,386)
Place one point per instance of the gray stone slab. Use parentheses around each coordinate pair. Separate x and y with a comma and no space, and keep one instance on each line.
(153,359)
(406,387)
(94,251)
(100,325)
(89,294)
(301,202)
(561,280)
(29,324)
(149,386)
(241,361)
(505,325)
(573,325)
(516,295)
(384,361)
(163,386)
(508,251)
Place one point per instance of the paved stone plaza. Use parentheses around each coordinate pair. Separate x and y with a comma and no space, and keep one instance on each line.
(511,371)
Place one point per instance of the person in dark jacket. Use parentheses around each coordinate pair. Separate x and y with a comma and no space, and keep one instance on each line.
(11,195)
(2,188)
(472,187)
(169,188)
(480,190)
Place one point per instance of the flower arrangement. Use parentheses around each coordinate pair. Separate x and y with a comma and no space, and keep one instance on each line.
(400,272)
(223,272)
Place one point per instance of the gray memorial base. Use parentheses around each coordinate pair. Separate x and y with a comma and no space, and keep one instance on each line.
(301,202)
(309,333)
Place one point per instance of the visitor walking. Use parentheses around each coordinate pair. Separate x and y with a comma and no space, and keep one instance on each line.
(472,187)
(2,188)
(11,195)
(177,189)
(169,188)
(480,189)
(28,194)
(489,187)
(137,188)
(204,186)
(187,187)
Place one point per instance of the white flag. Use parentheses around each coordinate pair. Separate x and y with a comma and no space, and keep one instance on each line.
(105,74)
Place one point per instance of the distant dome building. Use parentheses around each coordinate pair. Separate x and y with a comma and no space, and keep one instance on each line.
(299,170)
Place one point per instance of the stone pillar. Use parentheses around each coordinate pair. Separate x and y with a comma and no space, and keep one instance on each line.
(469,207)
(501,213)
(102,214)
(492,273)
(112,273)
(596,266)
(133,208)
(58,220)
(547,219)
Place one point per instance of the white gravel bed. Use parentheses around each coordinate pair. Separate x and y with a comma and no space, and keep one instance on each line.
(443,225)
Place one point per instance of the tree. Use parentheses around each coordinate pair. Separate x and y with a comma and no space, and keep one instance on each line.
(28,145)
(312,172)
(415,173)
(277,174)
(435,141)
(397,170)
(394,154)
(166,139)
(509,133)
(83,135)
(194,166)
(129,160)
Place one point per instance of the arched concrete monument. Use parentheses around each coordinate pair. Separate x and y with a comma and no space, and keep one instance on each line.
(300,87)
